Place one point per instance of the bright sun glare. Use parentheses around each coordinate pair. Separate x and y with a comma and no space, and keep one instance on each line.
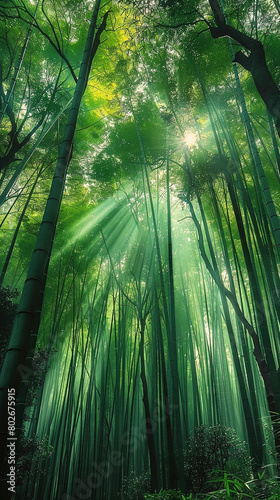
(190,138)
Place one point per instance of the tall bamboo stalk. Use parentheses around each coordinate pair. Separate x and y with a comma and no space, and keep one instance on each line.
(29,310)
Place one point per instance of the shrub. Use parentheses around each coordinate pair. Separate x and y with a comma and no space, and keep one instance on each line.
(265,488)
(33,454)
(214,449)
(134,487)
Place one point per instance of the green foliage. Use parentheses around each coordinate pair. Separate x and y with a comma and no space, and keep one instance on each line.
(134,487)
(206,169)
(231,487)
(214,449)
(33,454)
(264,488)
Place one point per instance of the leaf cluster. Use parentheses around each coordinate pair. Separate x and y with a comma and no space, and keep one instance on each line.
(212,449)
(32,455)
(134,487)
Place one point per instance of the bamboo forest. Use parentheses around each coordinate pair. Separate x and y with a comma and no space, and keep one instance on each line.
(139,249)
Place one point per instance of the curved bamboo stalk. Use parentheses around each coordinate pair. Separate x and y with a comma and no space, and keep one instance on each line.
(269,204)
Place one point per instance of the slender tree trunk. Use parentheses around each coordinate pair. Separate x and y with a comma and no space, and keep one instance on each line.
(9,94)
(173,333)
(149,425)
(171,466)
(11,247)
(274,140)
(6,191)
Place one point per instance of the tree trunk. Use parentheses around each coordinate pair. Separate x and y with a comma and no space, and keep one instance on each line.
(256,64)
(148,419)
(29,310)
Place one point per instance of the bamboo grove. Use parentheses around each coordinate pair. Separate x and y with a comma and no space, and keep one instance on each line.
(140,237)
